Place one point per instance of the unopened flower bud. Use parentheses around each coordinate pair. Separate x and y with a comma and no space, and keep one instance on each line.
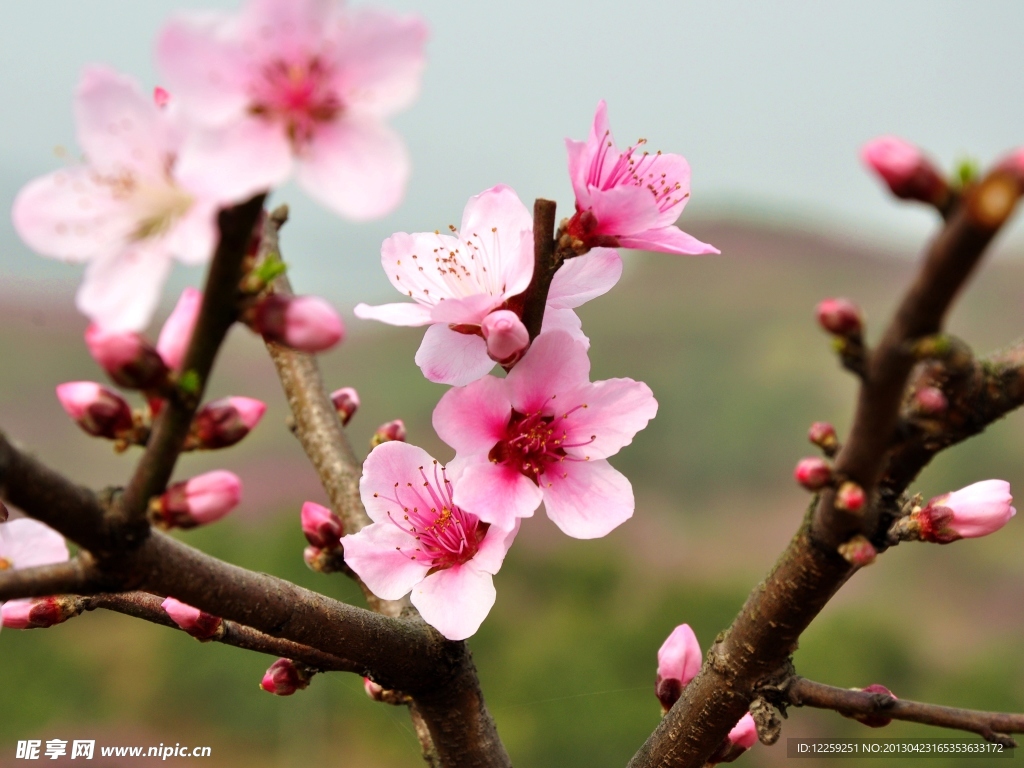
(679,660)
(506,336)
(160,96)
(876,721)
(200,624)
(36,613)
(977,510)
(323,528)
(823,435)
(346,403)
(199,500)
(850,497)
(858,551)
(374,691)
(129,360)
(392,430)
(930,401)
(305,323)
(96,409)
(744,733)
(177,331)
(905,169)
(226,421)
(285,677)
(840,317)
(813,473)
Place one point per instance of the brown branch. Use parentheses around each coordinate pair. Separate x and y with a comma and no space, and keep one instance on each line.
(546,261)
(75,575)
(217,313)
(765,633)
(991,726)
(143,605)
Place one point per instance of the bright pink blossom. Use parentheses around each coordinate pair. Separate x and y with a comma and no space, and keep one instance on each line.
(296,83)
(544,433)
(128,359)
(200,500)
(177,331)
(200,624)
(456,280)
(305,323)
(977,510)
(628,199)
(126,212)
(679,660)
(420,540)
(905,169)
(96,409)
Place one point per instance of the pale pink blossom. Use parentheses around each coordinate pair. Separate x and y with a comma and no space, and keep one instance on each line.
(302,84)
(456,280)
(199,500)
(905,169)
(125,211)
(977,510)
(421,541)
(305,323)
(629,198)
(97,410)
(544,433)
(679,660)
(200,624)
(177,330)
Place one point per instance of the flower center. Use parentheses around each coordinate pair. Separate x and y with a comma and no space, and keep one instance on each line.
(160,207)
(627,170)
(298,94)
(5,564)
(444,535)
(534,443)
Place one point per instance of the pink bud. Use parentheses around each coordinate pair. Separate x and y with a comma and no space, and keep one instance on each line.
(813,473)
(284,678)
(129,359)
(840,317)
(858,551)
(373,690)
(823,435)
(977,510)
(224,422)
(904,168)
(850,497)
(875,721)
(200,500)
(313,557)
(506,336)
(322,527)
(33,613)
(199,624)
(392,430)
(161,96)
(930,401)
(679,660)
(346,403)
(96,409)
(305,323)
(177,331)
(744,733)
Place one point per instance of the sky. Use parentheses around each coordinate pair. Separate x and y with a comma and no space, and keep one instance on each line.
(770,103)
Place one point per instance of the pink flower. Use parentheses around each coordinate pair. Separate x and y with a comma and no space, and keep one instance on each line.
(458,280)
(622,199)
(905,169)
(96,409)
(679,660)
(177,331)
(200,500)
(301,83)
(977,510)
(744,733)
(128,359)
(126,212)
(200,624)
(305,323)
(420,540)
(544,433)
(322,528)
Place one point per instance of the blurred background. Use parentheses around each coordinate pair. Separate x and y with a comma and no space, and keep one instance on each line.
(770,104)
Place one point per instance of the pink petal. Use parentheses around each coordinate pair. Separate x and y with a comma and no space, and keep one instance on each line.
(406,313)
(744,733)
(494,547)
(121,291)
(203,69)
(289,29)
(71,215)
(356,166)
(455,601)
(236,161)
(470,310)
(584,278)
(387,571)
(473,418)
(413,265)
(380,59)
(553,365)
(448,357)
(680,656)
(495,493)
(565,320)
(667,240)
(616,410)
(588,499)
(503,224)
(579,167)
(194,236)
(625,209)
(583,156)
(27,543)
(389,463)
(177,331)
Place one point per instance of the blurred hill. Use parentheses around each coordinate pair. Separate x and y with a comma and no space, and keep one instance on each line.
(567,657)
